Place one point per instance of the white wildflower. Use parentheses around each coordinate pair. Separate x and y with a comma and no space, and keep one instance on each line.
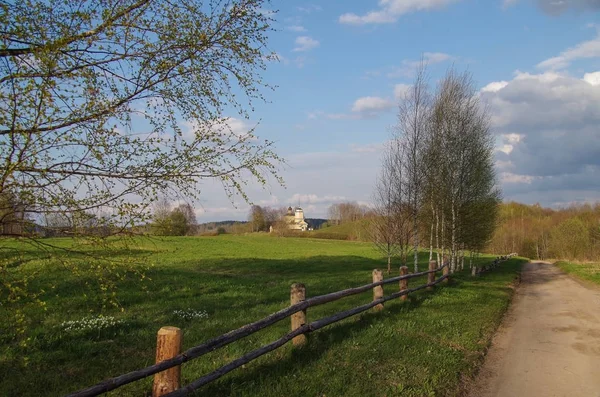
(190,314)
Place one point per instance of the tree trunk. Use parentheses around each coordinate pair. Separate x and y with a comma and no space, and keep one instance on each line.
(437,234)
(416,242)
(453,240)
(431,234)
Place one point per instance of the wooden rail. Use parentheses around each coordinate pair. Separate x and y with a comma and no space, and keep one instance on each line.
(297,310)
(477,270)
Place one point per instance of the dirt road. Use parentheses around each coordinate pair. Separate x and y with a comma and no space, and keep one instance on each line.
(549,342)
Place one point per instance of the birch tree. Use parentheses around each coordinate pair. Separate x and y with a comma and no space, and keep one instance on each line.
(107,104)
(465,158)
(411,132)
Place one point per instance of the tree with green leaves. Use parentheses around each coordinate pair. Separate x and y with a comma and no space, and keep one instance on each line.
(108,104)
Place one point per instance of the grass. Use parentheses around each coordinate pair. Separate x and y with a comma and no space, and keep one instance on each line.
(585,271)
(426,346)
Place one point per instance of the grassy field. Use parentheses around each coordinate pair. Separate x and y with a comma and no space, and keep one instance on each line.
(423,347)
(585,271)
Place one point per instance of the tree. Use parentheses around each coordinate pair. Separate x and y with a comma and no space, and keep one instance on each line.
(190,217)
(384,227)
(345,212)
(464,171)
(106,103)
(257,218)
(178,223)
(411,132)
(161,220)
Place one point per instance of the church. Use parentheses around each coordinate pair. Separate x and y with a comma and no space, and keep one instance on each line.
(294,219)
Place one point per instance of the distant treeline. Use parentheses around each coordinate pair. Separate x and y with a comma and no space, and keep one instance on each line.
(571,233)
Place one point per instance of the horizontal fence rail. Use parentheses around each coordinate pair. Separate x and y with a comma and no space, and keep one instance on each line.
(477,270)
(299,330)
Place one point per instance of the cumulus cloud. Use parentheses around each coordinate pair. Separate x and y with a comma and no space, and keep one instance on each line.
(305,43)
(548,135)
(592,78)
(371,105)
(494,86)
(585,50)
(390,10)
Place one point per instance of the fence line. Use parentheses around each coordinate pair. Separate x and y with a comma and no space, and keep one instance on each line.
(298,329)
(477,270)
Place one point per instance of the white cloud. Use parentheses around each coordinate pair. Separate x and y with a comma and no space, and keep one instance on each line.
(299,198)
(390,10)
(315,180)
(507,177)
(296,28)
(548,136)
(309,9)
(494,86)
(592,78)
(227,126)
(371,104)
(305,43)
(584,50)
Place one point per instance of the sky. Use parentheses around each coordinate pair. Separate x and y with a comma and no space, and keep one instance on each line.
(343,65)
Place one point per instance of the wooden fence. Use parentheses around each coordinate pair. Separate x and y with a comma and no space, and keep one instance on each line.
(169,359)
(477,270)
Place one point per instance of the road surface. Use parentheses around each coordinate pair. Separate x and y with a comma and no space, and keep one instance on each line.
(549,342)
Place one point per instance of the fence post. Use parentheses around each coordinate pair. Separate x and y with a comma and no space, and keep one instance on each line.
(431,276)
(168,345)
(297,295)
(474,271)
(404,283)
(377,291)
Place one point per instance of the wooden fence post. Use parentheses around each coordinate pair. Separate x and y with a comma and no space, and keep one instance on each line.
(297,295)
(404,283)
(431,276)
(168,345)
(377,291)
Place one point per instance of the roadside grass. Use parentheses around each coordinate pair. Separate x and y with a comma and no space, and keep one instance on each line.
(585,271)
(423,347)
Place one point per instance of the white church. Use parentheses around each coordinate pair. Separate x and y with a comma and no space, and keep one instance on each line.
(294,219)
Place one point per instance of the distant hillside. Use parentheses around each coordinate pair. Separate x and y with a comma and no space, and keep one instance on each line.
(228,226)
(315,223)
(355,231)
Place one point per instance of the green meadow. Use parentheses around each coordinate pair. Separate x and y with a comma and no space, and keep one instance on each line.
(588,271)
(429,345)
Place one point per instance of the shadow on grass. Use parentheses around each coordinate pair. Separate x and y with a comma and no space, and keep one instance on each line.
(234,292)
(319,344)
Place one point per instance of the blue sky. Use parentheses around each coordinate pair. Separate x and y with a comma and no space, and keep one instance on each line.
(343,63)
